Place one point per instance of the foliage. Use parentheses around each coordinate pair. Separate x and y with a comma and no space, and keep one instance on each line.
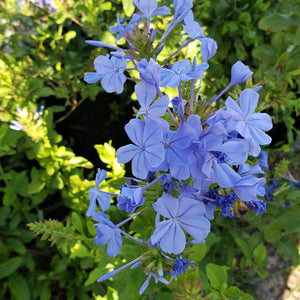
(43,183)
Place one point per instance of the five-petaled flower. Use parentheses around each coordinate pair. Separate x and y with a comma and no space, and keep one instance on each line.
(182,213)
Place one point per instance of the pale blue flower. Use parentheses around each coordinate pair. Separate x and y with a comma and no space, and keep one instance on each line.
(95,194)
(130,198)
(208,49)
(110,70)
(107,232)
(147,152)
(149,8)
(248,124)
(183,213)
(239,73)
(191,27)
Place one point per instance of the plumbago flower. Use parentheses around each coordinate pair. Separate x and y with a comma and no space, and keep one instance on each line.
(211,150)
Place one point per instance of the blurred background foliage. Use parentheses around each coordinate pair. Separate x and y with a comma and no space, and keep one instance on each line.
(49,164)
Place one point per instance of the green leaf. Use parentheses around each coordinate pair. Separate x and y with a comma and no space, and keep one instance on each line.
(278,22)
(36,185)
(3,253)
(128,7)
(265,53)
(259,254)
(91,228)
(4,213)
(217,276)
(244,246)
(16,245)
(10,196)
(261,272)
(106,5)
(196,252)
(285,224)
(79,161)
(70,35)
(57,181)
(44,92)
(19,287)
(233,292)
(9,266)
(287,248)
(94,275)
(79,250)
(77,222)
(45,293)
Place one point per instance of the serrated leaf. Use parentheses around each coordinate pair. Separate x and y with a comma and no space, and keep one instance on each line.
(217,276)
(9,266)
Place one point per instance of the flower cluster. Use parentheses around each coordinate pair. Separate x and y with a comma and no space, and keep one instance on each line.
(202,161)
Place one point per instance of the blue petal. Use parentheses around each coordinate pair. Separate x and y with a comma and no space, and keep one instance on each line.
(160,230)
(126,153)
(174,240)
(166,206)
(145,93)
(92,77)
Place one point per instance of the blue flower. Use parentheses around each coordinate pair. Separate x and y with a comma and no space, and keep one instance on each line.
(156,278)
(208,49)
(149,71)
(172,77)
(145,94)
(177,145)
(263,160)
(258,205)
(147,151)
(246,169)
(196,71)
(130,198)
(239,73)
(107,232)
(121,29)
(248,124)
(148,8)
(191,27)
(249,187)
(182,8)
(167,183)
(183,213)
(180,266)
(95,194)
(110,71)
